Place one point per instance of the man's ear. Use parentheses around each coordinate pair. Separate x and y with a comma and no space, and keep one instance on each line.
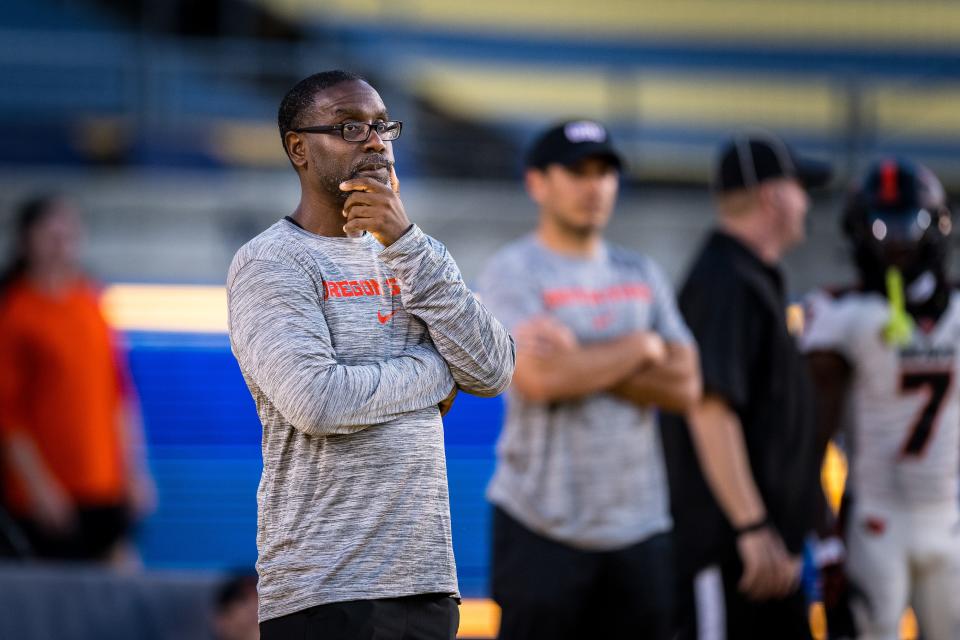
(769,195)
(296,148)
(534,180)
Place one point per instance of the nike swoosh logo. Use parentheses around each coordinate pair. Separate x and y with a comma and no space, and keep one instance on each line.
(384,318)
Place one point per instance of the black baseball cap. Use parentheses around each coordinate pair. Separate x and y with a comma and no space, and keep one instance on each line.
(569,142)
(751,158)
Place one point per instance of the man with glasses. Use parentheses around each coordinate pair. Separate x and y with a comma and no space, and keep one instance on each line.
(353,331)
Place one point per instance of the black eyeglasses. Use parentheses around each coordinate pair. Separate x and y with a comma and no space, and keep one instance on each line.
(358,131)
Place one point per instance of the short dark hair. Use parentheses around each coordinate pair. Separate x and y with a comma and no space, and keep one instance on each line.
(300,98)
(30,213)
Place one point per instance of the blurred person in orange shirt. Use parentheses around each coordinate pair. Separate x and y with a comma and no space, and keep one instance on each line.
(74,477)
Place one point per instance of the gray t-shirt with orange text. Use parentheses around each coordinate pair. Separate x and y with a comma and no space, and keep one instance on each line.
(589,472)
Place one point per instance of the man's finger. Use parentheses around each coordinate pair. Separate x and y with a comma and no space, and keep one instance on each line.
(778,583)
(547,325)
(356,226)
(447,402)
(784,568)
(783,573)
(749,577)
(791,576)
(527,342)
(363,199)
(358,209)
(762,572)
(797,568)
(363,196)
(764,586)
(774,566)
(368,185)
(394,181)
(542,351)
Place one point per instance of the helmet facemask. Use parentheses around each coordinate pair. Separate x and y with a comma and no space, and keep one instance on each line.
(898,218)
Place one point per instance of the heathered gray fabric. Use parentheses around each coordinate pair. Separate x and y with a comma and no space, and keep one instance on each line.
(353,501)
(588,473)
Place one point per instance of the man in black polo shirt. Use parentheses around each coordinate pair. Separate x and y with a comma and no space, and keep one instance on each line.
(743,469)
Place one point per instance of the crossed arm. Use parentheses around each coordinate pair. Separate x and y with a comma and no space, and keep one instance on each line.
(639,367)
(475,345)
(281,339)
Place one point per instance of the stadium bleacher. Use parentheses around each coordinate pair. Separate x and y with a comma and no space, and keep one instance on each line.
(844,79)
(672,78)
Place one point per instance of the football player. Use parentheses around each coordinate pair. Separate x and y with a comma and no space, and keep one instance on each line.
(885,355)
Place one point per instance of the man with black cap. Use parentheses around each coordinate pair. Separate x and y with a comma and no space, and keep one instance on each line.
(744,469)
(581,544)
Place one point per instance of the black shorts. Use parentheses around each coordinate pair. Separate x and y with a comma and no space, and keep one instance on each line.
(430,616)
(551,591)
(98,529)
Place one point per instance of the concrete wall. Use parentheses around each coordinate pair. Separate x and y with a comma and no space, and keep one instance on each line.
(185,227)
(56,602)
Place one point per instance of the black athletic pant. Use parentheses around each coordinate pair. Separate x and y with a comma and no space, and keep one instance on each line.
(13,541)
(430,616)
(711,606)
(96,532)
(551,591)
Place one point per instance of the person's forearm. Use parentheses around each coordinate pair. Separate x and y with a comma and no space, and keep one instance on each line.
(131,430)
(284,349)
(141,491)
(477,348)
(718,439)
(673,385)
(336,399)
(48,504)
(577,372)
(26,463)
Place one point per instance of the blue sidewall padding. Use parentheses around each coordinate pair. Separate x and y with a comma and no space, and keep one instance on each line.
(204,450)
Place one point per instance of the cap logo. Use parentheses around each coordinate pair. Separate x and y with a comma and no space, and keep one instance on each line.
(584,131)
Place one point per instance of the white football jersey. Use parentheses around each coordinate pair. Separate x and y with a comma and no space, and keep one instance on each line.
(904,401)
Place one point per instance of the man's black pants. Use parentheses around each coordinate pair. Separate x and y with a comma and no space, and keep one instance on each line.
(712,606)
(422,617)
(550,591)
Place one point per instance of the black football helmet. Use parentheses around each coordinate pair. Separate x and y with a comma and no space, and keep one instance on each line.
(897,216)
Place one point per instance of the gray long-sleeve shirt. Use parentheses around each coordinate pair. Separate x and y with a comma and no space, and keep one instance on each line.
(347,347)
